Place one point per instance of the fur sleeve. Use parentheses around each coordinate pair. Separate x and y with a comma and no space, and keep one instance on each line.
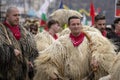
(51,61)
(115,68)
(43,40)
(102,50)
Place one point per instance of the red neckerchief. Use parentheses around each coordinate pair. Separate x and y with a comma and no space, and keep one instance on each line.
(118,33)
(77,40)
(104,33)
(55,36)
(15,30)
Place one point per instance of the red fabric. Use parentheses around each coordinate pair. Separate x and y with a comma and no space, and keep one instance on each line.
(104,33)
(92,12)
(42,22)
(55,36)
(46,28)
(15,30)
(118,12)
(118,33)
(77,40)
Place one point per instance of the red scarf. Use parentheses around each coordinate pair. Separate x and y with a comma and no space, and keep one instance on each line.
(15,30)
(77,40)
(104,33)
(55,36)
(118,33)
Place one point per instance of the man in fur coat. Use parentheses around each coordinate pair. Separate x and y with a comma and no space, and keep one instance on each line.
(76,56)
(46,38)
(43,40)
(17,48)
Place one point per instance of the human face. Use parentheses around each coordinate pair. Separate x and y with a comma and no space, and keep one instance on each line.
(75,26)
(100,25)
(13,17)
(117,27)
(33,29)
(55,27)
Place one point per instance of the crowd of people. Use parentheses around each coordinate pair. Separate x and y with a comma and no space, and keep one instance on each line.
(82,53)
(112,33)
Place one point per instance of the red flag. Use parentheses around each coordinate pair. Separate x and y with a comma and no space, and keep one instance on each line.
(117,12)
(43,19)
(92,12)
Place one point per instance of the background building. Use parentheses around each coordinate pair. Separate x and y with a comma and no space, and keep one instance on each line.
(32,7)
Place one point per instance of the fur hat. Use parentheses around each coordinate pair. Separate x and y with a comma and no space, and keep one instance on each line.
(62,15)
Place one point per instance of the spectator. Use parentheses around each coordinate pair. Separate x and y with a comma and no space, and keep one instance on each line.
(100,24)
(114,35)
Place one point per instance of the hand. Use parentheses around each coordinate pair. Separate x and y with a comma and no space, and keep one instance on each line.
(53,76)
(17,52)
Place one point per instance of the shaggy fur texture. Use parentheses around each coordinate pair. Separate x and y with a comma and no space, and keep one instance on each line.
(102,51)
(67,30)
(43,40)
(115,68)
(114,73)
(15,67)
(108,77)
(69,62)
(64,32)
(62,15)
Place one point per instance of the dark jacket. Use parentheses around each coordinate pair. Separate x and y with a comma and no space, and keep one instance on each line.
(115,39)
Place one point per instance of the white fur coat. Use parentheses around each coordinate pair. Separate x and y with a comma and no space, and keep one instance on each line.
(69,62)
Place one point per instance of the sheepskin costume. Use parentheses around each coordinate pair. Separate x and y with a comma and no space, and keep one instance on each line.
(14,67)
(43,40)
(62,15)
(73,63)
(67,30)
(30,23)
(114,73)
(108,77)
(115,68)
(64,32)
